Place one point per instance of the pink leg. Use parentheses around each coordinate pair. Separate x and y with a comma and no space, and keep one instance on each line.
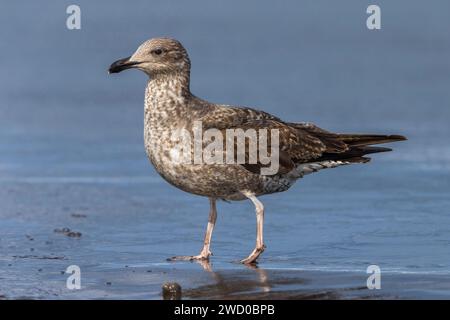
(259,248)
(205,253)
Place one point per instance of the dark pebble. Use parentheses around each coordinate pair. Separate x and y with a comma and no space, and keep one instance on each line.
(171,291)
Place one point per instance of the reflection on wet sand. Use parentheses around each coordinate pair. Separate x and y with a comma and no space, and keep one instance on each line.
(253,282)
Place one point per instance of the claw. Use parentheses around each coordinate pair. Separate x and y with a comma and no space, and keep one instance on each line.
(190,258)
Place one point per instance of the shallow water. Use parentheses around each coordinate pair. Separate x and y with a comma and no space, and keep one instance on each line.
(71,143)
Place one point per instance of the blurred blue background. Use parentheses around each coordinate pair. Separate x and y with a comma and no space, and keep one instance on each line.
(71,135)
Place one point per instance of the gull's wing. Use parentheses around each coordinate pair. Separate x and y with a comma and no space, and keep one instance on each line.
(298,142)
(294,145)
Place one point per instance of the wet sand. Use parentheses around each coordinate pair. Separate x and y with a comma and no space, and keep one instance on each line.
(121,246)
(235,282)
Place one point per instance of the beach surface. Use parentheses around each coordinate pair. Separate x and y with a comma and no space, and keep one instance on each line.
(316,249)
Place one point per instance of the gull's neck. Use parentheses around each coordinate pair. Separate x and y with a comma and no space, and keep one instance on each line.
(171,86)
(166,99)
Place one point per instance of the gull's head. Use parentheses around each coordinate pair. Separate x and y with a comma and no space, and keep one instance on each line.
(156,56)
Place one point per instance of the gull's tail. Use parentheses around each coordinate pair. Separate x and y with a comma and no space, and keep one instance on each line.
(357,140)
(360,145)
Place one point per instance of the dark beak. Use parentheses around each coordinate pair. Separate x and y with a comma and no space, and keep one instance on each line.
(121,65)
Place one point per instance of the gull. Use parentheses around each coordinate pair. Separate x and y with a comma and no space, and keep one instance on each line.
(170,107)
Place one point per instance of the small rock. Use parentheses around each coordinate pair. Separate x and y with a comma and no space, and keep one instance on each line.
(68,232)
(63,230)
(171,291)
(78,215)
(73,234)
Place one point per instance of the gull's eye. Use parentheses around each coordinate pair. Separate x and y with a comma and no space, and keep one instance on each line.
(157,52)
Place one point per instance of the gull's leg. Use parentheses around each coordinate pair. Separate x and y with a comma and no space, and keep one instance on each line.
(205,253)
(259,231)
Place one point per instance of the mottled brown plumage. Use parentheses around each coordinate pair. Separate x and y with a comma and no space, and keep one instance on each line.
(170,107)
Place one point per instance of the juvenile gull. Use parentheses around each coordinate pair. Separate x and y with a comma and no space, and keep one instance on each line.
(170,106)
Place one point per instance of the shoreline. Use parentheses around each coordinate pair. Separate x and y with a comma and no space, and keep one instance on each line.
(233,282)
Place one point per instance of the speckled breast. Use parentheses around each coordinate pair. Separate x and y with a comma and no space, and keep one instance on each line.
(213,180)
